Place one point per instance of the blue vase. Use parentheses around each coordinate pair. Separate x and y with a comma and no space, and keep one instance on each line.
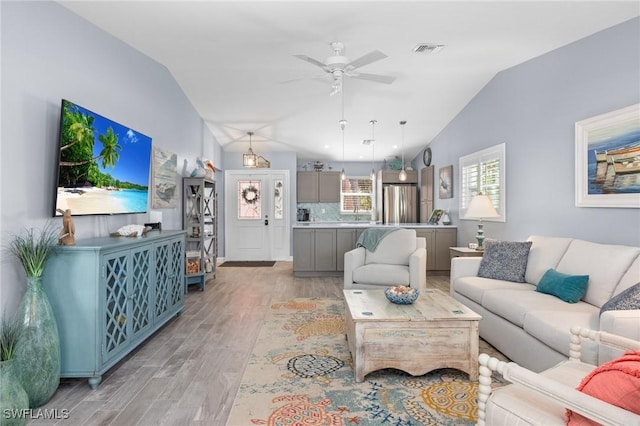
(37,358)
(14,402)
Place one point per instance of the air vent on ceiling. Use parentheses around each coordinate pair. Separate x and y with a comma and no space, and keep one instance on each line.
(428,48)
(367,142)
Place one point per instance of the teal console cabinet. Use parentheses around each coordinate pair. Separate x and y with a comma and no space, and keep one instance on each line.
(109,294)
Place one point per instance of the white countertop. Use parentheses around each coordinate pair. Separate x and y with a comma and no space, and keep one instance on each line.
(366,225)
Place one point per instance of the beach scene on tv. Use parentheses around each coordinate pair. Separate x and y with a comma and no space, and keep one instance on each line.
(103,166)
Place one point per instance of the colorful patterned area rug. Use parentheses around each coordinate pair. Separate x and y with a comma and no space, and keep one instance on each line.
(300,373)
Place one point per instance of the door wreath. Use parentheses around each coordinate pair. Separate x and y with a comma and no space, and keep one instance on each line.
(250,195)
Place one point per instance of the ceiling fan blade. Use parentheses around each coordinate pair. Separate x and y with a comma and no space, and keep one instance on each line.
(311,61)
(386,79)
(314,77)
(370,57)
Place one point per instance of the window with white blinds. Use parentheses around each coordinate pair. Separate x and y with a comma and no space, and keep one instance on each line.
(356,195)
(484,171)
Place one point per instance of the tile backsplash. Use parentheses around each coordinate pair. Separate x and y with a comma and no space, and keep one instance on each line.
(330,212)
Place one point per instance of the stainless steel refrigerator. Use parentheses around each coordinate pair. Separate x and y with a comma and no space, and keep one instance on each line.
(400,203)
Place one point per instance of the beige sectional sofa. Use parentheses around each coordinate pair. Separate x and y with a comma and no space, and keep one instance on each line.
(532,328)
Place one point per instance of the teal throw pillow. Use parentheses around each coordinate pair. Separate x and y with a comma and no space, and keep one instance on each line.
(570,288)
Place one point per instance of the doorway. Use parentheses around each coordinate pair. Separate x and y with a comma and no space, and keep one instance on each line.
(257,215)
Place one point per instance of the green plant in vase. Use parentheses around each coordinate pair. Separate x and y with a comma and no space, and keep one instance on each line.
(37,356)
(13,399)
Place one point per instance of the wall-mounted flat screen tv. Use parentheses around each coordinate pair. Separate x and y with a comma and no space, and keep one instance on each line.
(103,166)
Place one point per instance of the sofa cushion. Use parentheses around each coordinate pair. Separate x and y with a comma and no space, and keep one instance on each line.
(513,305)
(545,253)
(552,327)
(570,288)
(628,299)
(604,263)
(474,287)
(394,249)
(376,273)
(616,382)
(504,260)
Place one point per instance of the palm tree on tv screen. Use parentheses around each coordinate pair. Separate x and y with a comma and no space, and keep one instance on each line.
(77,163)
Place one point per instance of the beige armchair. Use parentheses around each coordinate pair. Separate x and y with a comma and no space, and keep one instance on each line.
(399,259)
(543,398)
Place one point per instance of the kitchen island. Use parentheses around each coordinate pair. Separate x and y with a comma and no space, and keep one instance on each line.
(319,247)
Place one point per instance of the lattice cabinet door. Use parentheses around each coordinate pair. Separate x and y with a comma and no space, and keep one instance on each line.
(162,265)
(117,275)
(176,278)
(141,314)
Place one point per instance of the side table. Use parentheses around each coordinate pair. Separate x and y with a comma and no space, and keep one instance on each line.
(464,252)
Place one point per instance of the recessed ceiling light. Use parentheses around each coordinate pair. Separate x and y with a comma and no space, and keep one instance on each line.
(429,48)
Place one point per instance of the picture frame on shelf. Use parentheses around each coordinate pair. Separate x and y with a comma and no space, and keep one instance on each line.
(435,217)
(607,159)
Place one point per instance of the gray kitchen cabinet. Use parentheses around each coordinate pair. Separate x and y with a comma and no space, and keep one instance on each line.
(438,243)
(318,187)
(345,240)
(304,250)
(325,250)
(329,187)
(444,238)
(426,193)
(314,250)
(307,187)
(320,251)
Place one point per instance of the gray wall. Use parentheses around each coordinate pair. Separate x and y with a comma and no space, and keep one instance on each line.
(48,54)
(533,108)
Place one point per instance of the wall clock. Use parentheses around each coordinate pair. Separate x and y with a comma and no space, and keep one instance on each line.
(426,157)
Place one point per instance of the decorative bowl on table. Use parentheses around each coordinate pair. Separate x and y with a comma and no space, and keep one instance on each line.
(402,295)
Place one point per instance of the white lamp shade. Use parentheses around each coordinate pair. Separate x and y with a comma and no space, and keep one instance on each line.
(481,208)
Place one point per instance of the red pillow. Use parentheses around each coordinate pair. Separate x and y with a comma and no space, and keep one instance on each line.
(616,382)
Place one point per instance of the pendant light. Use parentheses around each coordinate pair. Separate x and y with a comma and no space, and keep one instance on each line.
(343,123)
(373,143)
(250,159)
(343,174)
(403,174)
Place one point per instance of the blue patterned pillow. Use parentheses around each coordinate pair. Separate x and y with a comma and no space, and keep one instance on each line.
(628,299)
(505,260)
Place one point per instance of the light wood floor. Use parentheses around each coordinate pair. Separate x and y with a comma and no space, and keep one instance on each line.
(189,371)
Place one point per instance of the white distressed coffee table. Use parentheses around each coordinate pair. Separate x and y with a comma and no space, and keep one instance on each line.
(436,331)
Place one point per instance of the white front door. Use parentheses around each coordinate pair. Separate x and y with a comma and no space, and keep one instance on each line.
(256,214)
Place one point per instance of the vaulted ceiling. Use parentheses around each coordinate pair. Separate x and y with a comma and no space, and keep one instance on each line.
(234,61)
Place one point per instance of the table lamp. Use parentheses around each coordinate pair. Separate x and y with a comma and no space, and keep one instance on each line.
(480,208)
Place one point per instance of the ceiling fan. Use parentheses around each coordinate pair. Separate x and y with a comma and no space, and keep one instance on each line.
(338,65)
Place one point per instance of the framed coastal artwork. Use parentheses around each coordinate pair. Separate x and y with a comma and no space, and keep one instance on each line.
(445,187)
(607,153)
(164,194)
